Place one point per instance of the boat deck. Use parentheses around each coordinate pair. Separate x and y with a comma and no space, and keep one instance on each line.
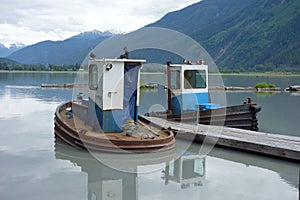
(143,132)
(76,132)
(286,147)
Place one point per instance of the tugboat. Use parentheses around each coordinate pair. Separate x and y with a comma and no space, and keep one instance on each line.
(108,120)
(188,100)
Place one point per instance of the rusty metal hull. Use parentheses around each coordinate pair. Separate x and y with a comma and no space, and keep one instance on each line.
(67,131)
(238,116)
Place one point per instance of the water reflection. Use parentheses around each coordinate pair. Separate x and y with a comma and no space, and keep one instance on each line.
(17,101)
(103,181)
(288,171)
(264,94)
(292,93)
(187,170)
(222,173)
(107,183)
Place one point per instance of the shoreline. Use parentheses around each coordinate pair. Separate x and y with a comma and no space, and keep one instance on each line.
(42,72)
(258,74)
(153,73)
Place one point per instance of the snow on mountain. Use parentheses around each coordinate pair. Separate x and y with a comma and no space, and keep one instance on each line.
(16,46)
(70,51)
(93,34)
(2,45)
(4,51)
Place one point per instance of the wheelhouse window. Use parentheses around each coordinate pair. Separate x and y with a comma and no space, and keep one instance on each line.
(93,77)
(194,79)
(175,79)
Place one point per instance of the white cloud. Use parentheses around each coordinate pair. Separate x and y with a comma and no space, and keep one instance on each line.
(32,21)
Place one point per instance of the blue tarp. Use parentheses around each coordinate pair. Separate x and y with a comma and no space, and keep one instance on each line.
(130,92)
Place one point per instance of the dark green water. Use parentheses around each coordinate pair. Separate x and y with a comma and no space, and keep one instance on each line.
(36,166)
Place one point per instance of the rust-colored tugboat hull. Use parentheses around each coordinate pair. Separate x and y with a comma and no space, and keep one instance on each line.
(75,132)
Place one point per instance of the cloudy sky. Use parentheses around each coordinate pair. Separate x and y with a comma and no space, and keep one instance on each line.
(31,21)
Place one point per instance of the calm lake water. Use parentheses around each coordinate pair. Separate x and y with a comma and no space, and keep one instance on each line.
(36,166)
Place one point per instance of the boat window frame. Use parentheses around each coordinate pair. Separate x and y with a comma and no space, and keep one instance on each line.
(187,83)
(177,79)
(93,77)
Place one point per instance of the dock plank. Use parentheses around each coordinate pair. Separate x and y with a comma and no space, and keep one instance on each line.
(287,147)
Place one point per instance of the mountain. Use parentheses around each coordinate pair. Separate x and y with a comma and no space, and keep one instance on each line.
(260,35)
(7,64)
(256,35)
(70,51)
(7,61)
(4,51)
(201,15)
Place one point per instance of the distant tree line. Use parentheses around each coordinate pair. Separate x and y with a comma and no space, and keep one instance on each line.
(261,68)
(75,67)
(153,69)
(38,67)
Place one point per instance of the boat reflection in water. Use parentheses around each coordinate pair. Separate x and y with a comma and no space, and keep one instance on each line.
(187,170)
(194,174)
(103,181)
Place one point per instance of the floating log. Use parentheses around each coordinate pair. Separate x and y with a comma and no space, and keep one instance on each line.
(230,88)
(276,89)
(239,88)
(293,88)
(66,85)
(149,86)
(71,85)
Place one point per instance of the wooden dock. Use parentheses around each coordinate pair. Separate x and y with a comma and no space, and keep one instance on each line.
(281,146)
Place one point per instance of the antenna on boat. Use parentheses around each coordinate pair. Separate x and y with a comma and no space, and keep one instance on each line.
(92,55)
(125,55)
(187,62)
(200,62)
